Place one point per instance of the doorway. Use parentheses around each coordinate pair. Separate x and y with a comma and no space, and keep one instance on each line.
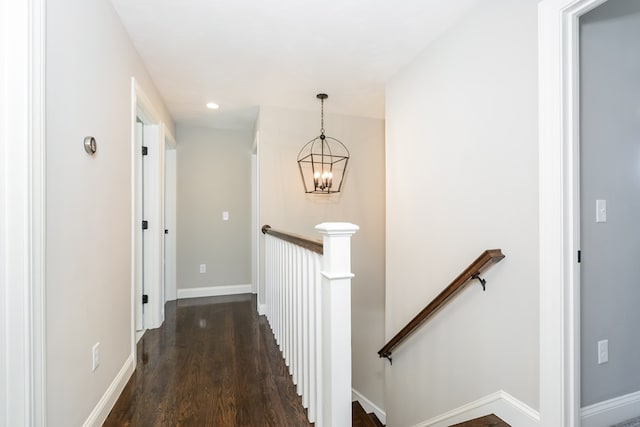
(559,232)
(148,208)
(609,67)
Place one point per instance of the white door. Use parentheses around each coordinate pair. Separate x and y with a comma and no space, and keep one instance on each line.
(148,225)
(139,256)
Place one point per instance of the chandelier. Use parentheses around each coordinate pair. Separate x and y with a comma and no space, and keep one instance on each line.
(323,160)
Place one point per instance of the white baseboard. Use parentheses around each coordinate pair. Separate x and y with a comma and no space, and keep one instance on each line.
(262,309)
(213,291)
(611,411)
(109,398)
(369,406)
(501,403)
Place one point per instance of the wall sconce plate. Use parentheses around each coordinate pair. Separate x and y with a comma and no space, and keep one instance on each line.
(90,145)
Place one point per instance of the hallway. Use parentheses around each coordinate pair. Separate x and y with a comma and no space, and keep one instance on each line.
(214,362)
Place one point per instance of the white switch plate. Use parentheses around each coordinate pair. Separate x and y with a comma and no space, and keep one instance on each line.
(225,216)
(601,211)
(203,268)
(95,356)
(603,351)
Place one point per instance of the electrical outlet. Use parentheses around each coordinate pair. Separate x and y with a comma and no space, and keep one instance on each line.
(95,356)
(225,216)
(203,268)
(603,351)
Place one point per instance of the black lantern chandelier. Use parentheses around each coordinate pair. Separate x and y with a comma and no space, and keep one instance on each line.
(323,160)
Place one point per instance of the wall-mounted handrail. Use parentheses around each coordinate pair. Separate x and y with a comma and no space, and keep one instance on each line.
(312,245)
(484,261)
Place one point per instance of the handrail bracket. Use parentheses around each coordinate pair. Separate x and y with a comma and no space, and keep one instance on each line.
(482,281)
(388,357)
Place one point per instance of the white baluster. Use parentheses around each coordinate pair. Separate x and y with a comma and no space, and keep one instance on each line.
(304,332)
(318,338)
(294,316)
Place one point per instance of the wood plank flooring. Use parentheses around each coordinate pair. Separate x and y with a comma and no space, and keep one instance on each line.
(214,362)
(487,421)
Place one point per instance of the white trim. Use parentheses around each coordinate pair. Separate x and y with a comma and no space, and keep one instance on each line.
(22,213)
(110,396)
(257,274)
(558,209)
(214,291)
(611,411)
(169,139)
(500,403)
(262,309)
(170,211)
(368,405)
(338,275)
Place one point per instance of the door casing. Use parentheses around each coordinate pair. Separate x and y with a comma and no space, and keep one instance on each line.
(154,139)
(559,234)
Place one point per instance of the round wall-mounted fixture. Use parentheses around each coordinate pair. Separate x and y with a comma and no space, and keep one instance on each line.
(90,145)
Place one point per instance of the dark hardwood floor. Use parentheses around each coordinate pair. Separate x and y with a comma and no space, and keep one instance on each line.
(487,421)
(214,362)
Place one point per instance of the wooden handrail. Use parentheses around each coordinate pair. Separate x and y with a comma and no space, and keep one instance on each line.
(312,245)
(484,261)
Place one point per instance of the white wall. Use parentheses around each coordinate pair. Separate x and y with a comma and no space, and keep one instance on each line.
(461,146)
(285,206)
(214,175)
(90,62)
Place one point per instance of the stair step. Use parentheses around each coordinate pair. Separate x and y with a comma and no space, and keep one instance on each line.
(360,418)
(488,421)
(375,420)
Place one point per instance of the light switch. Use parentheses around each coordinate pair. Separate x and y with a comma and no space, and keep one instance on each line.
(225,216)
(603,351)
(601,211)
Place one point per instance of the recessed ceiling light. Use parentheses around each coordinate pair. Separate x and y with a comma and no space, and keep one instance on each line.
(212,105)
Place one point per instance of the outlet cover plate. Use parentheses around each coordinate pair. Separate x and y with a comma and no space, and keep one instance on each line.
(95,356)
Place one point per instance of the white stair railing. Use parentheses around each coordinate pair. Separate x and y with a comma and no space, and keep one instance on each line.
(308,306)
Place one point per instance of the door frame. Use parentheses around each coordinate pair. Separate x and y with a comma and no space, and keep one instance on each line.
(170,216)
(22,213)
(142,107)
(256,273)
(558,103)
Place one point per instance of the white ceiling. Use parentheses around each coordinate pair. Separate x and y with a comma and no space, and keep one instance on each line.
(246,53)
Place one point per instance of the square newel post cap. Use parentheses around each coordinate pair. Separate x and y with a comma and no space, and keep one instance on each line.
(337,228)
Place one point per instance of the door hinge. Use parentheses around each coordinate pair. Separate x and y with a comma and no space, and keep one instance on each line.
(145,299)
(579,256)
(145,225)
(145,150)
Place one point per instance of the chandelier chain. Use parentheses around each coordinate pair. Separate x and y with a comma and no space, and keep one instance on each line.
(322,116)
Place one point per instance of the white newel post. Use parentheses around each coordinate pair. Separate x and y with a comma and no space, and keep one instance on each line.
(336,323)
